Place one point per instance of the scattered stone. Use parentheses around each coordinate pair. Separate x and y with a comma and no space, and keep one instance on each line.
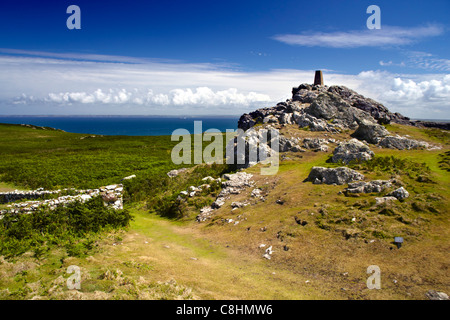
(175,172)
(368,187)
(238,204)
(218,203)
(300,221)
(231,184)
(256,193)
(434,295)
(383,200)
(399,193)
(129,177)
(267,256)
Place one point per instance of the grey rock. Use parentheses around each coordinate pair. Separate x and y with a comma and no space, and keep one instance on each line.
(231,184)
(368,187)
(383,200)
(218,203)
(175,172)
(257,147)
(286,144)
(399,193)
(286,118)
(330,106)
(315,144)
(435,295)
(238,204)
(402,143)
(339,176)
(351,150)
(370,132)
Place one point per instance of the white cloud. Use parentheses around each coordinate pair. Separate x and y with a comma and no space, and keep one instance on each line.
(390,63)
(37,85)
(428,61)
(416,96)
(386,36)
(201,96)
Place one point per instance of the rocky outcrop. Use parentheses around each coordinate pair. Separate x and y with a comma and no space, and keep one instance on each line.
(379,112)
(286,144)
(402,143)
(350,151)
(423,124)
(368,187)
(315,107)
(329,106)
(256,148)
(231,184)
(246,121)
(339,176)
(323,108)
(370,132)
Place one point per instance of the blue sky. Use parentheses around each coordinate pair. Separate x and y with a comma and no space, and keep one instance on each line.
(219,57)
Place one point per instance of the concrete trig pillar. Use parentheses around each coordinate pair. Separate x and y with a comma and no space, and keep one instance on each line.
(318,78)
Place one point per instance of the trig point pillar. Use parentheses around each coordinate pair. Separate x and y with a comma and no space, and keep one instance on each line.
(318,78)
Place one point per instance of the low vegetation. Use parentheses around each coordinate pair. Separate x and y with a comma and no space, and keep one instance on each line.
(323,240)
(74,227)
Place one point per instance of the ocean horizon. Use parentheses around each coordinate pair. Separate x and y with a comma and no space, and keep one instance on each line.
(125,125)
(131,125)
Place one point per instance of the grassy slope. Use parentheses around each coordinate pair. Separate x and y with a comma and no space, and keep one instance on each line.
(220,260)
(47,158)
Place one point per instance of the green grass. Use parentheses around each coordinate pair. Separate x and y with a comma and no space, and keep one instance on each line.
(34,158)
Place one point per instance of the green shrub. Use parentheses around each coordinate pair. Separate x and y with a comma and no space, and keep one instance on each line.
(64,226)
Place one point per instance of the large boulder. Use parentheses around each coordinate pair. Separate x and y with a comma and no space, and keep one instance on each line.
(338,176)
(370,132)
(286,144)
(351,150)
(402,143)
(256,147)
(315,144)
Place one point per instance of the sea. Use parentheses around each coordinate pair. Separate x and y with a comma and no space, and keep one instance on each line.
(126,125)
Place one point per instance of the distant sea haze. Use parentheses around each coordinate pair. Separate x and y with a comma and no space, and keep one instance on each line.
(125,125)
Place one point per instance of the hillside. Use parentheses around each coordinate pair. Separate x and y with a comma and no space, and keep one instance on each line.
(303,233)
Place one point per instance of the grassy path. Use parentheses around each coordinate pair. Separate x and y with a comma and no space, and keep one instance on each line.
(213,271)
